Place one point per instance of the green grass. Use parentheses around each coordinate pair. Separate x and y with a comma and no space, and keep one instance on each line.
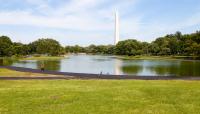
(43,58)
(12,73)
(99,97)
(157,57)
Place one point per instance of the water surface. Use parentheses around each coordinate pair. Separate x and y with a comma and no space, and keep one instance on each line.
(111,65)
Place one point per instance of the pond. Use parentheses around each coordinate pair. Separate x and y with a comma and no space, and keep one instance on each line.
(111,65)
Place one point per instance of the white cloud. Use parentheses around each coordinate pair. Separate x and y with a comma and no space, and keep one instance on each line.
(78,22)
(76,14)
(92,19)
(150,31)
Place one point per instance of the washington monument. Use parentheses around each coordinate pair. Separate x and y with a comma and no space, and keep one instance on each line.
(116,28)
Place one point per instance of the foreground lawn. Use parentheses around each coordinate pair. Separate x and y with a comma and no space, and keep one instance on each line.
(99,97)
(12,73)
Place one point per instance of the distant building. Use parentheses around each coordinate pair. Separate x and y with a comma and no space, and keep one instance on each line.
(116,28)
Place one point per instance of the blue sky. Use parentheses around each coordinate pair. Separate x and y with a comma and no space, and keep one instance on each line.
(86,22)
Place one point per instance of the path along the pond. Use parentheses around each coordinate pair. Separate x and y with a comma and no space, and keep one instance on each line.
(69,75)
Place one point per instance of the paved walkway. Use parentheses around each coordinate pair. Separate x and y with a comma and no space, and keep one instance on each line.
(69,75)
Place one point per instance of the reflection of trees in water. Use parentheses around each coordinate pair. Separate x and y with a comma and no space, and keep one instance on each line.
(53,65)
(131,69)
(185,68)
(6,62)
(191,68)
(163,70)
(101,58)
(1,62)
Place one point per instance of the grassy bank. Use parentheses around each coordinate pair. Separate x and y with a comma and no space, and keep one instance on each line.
(99,97)
(12,73)
(43,58)
(159,57)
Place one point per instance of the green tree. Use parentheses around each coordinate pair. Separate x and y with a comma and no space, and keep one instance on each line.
(5,46)
(46,46)
(128,47)
(21,49)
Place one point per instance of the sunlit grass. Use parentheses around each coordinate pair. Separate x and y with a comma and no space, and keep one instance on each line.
(12,73)
(156,57)
(99,97)
(44,58)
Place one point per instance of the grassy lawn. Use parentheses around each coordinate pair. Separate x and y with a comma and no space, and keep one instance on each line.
(12,73)
(158,57)
(43,58)
(99,97)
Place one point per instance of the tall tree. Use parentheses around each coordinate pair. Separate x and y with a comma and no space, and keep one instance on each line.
(5,46)
(46,46)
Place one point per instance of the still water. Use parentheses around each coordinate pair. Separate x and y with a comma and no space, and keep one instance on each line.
(111,65)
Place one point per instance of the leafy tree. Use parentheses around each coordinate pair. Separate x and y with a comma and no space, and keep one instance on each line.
(75,49)
(46,46)
(171,44)
(21,49)
(128,47)
(5,46)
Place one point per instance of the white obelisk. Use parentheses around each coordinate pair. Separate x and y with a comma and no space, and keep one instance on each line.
(116,27)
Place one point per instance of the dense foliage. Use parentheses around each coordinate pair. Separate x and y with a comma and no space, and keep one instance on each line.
(5,46)
(42,46)
(46,46)
(172,44)
(176,44)
(129,47)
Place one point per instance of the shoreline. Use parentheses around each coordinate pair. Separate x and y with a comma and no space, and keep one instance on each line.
(137,57)
(182,58)
(70,75)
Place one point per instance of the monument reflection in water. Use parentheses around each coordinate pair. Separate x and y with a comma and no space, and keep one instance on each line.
(110,65)
(117,69)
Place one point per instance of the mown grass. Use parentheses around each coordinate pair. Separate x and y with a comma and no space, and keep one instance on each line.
(43,58)
(12,73)
(99,97)
(159,57)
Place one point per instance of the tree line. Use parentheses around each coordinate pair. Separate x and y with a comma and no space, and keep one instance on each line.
(171,44)
(42,46)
